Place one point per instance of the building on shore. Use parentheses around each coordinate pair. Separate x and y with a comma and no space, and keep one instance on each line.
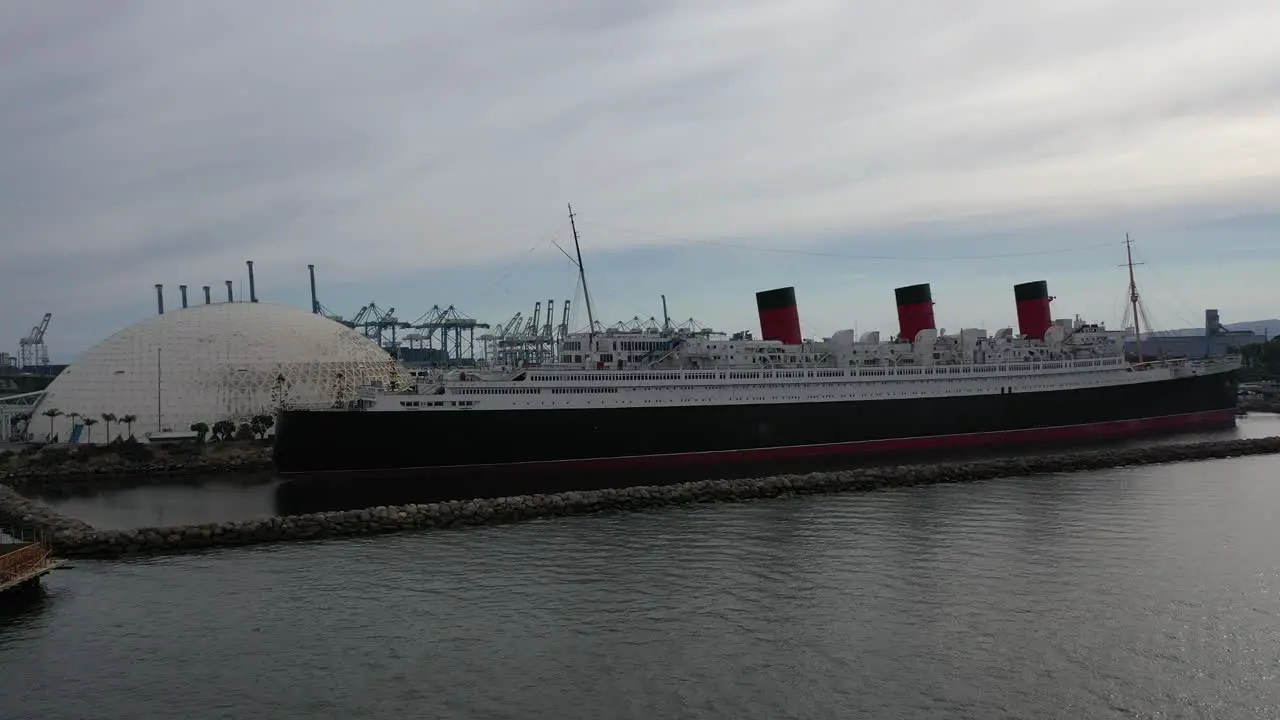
(1214,341)
(231,361)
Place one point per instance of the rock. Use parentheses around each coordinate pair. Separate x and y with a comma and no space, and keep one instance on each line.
(27,515)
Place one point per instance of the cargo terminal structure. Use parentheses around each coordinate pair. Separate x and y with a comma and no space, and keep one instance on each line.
(1216,340)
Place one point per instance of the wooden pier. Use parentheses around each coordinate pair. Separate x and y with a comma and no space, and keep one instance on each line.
(23,563)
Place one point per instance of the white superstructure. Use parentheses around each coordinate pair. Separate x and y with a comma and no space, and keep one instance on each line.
(602,370)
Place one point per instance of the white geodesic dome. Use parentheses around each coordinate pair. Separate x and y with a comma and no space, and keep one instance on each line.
(205,363)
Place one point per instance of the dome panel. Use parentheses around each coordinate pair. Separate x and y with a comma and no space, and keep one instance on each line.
(205,363)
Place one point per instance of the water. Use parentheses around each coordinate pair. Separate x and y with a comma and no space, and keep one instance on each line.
(214,500)
(223,500)
(1143,592)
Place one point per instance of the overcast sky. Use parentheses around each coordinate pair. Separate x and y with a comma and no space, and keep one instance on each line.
(422,153)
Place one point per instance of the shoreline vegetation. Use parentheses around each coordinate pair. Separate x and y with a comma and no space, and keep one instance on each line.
(128,463)
(70,537)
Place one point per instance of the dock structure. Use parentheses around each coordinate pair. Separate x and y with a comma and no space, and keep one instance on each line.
(24,562)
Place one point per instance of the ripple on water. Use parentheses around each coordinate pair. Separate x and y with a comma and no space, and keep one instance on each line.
(1133,593)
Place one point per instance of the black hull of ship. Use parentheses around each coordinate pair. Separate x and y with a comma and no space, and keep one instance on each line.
(480,453)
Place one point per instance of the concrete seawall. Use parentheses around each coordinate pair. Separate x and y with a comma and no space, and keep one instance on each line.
(74,538)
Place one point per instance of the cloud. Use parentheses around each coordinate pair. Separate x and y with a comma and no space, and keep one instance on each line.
(148,142)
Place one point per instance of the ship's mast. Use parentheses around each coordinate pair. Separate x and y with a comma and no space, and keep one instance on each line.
(1133,297)
(582,275)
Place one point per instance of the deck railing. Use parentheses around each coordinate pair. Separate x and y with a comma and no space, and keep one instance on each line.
(21,563)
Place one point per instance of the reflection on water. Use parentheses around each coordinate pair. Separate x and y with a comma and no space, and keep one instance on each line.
(1143,592)
(216,500)
(1253,425)
(24,605)
(221,501)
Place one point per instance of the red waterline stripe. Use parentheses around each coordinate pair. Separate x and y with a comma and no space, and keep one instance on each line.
(1092,431)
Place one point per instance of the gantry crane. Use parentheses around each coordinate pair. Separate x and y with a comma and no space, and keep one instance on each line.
(32,351)
(379,326)
(442,340)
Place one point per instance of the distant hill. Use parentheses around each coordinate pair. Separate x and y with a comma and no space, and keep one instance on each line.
(1268,328)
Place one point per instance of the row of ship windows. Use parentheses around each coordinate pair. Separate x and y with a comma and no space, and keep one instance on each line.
(914,384)
(436,403)
(876,372)
(641,345)
(1004,390)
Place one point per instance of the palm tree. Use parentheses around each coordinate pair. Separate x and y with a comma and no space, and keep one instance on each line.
(128,421)
(89,422)
(51,413)
(108,418)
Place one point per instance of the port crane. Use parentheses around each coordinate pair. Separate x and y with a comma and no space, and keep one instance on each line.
(534,339)
(446,330)
(32,351)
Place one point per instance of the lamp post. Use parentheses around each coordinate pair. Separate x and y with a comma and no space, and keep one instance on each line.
(159,422)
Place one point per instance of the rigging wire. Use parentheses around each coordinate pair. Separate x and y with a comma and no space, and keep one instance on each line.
(519,262)
(551,238)
(1150,339)
(1138,316)
(1178,304)
(849,256)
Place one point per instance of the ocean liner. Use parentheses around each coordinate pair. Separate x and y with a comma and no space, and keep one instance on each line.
(666,401)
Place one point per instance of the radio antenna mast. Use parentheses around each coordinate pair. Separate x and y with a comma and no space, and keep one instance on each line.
(1133,297)
(582,275)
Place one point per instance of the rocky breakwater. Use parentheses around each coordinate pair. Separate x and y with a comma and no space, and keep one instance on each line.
(25,516)
(510,509)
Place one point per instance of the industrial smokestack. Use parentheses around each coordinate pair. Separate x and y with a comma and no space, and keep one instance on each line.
(207,299)
(315,304)
(253,293)
(160,298)
(779,319)
(915,310)
(230,297)
(182,289)
(1034,315)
